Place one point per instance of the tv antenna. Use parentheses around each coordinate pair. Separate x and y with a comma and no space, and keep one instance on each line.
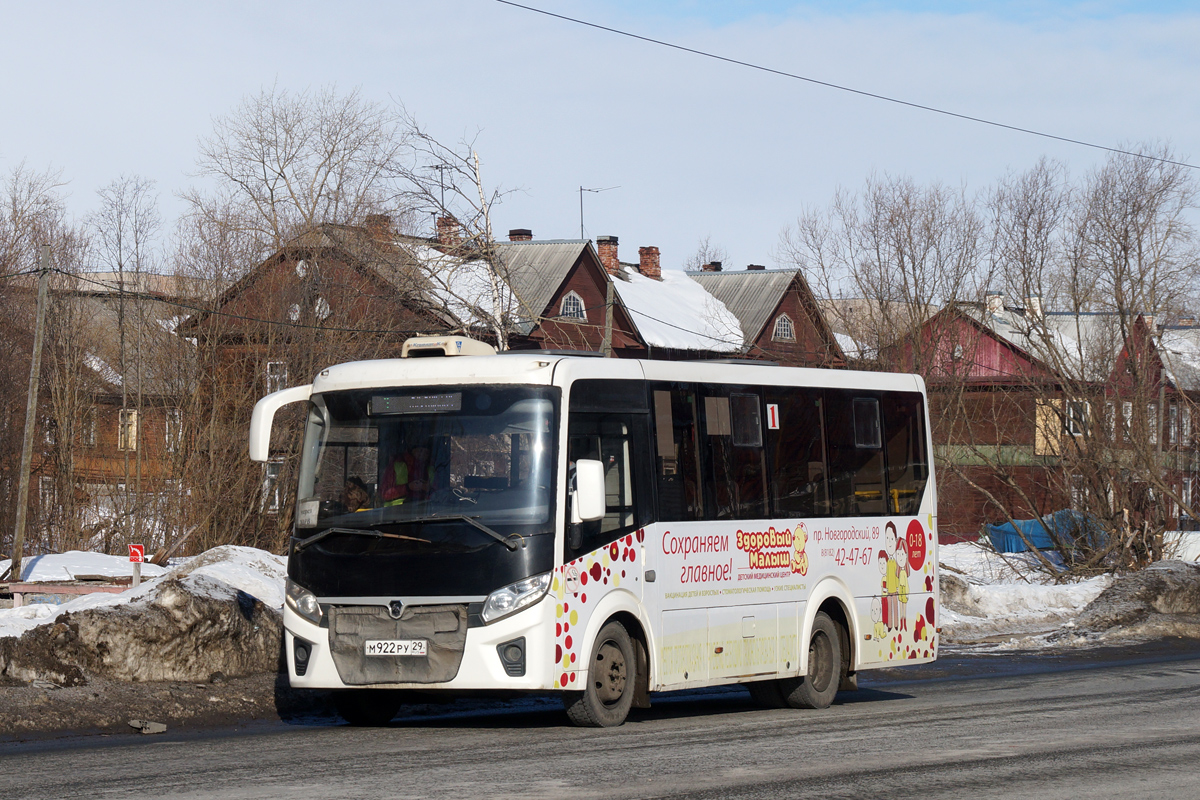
(441,168)
(581,191)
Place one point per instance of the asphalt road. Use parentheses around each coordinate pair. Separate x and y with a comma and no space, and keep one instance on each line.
(1124,724)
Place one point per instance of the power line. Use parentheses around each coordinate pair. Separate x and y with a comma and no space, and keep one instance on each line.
(849,89)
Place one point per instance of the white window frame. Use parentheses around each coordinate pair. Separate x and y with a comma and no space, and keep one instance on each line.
(572,313)
(87,427)
(784,330)
(272,496)
(127,429)
(172,429)
(1078,416)
(1153,424)
(276,376)
(1127,419)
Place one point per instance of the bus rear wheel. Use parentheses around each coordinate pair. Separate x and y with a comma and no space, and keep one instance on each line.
(820,685)
(367,708)
(610,683)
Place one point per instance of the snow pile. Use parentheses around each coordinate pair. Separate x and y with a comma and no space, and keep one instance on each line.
(988,596)
(216,613)
(1161,600)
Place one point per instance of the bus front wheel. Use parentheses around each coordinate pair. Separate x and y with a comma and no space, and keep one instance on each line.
(820,685)
(610,684)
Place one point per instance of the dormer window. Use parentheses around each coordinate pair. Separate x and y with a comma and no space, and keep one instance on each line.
(785,331)
(572,307)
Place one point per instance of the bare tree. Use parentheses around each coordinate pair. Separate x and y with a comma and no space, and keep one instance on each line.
(706,253)
(883,259)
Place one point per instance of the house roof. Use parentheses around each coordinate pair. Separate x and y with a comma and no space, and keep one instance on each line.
(536,269)
(751,295)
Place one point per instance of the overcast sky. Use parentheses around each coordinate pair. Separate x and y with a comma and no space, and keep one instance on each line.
(698,147)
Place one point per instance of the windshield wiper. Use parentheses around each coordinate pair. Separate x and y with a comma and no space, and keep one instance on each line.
(303,543)
(472,521)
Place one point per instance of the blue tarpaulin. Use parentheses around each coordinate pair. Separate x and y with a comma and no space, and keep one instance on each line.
(1067,525)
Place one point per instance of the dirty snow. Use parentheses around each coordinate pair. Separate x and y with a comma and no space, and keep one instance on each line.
(229,568)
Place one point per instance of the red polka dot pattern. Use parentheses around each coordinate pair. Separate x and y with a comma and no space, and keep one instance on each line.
(573,606)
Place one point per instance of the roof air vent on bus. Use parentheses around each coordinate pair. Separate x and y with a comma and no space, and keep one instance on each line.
(428,346)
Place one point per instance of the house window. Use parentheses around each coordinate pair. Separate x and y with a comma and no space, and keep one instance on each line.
(87,428)
(1076,419)
(1185,428)
(173,429)
(784,331)
(1110,417)
(46,493)
(572,307)
(127,429)
(276,376)
(1172,423)
(1152,422)
(1126,418)
(1078,492)
(270,487)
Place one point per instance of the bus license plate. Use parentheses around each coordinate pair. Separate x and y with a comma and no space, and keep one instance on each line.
(396,647)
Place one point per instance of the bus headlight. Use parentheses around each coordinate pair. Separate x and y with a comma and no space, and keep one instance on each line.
(503,602)
(302,601)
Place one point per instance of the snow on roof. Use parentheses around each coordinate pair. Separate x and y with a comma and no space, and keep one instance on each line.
(464,287)
(1180,348)
(101,368)
(677,312)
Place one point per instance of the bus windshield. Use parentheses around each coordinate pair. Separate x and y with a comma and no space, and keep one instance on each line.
(389,456)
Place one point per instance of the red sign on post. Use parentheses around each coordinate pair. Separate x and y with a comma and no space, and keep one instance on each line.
(137,553)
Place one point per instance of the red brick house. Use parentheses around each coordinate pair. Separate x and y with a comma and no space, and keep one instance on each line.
(779,316)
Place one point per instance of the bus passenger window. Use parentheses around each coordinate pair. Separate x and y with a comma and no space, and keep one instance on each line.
(856,478)
(797,448)
(735,457)
(907,466)
(677,466)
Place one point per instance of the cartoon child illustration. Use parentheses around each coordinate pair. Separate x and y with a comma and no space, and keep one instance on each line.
(799,557)
(877,616)
(902,582)
(891,580)
(882,561)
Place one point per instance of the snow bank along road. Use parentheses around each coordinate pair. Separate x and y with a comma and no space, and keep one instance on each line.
(1105,731)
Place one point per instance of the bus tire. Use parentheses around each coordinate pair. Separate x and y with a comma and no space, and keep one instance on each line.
(767,694)
(367,708)
(820,685)
(611,681)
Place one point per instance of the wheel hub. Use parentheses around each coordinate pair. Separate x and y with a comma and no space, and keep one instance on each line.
(609,673)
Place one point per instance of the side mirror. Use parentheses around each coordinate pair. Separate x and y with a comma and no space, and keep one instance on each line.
(587,496)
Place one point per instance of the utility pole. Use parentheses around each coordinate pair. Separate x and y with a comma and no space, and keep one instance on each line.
(35,367)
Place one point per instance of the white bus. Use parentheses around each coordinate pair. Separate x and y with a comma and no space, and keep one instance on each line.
(604,528)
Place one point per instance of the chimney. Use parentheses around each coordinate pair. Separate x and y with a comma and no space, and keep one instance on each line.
(995,302)
(448,231)
(520,235)
(1033,307)
(712,266)
(607,247)
(648,263)
(755,266)
(379,226)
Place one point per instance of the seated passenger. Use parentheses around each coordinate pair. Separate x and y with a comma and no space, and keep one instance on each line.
(409,477)
(355,495)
